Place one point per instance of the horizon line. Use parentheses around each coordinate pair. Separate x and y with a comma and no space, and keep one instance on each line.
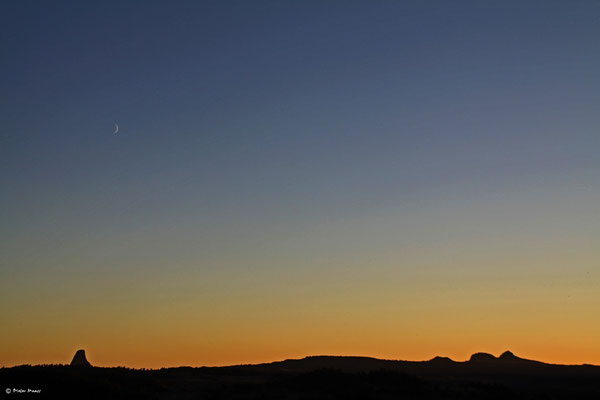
(485,354)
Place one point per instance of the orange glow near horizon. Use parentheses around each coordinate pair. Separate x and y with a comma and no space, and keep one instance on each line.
(267,317)
(475,278)
(140,356)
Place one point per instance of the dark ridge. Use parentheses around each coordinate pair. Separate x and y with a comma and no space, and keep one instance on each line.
(317,378)
(509,356)
(310,363)
(482,357)
(320,377)
(441,360)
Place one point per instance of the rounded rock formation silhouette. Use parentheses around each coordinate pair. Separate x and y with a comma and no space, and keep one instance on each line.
(79,359)
(482,357)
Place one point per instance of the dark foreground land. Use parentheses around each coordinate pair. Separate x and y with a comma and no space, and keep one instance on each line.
(323,377)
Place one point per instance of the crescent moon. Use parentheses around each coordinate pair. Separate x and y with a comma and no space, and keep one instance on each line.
(116,128)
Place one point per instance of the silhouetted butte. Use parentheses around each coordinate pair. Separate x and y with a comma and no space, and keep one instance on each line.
(79,359)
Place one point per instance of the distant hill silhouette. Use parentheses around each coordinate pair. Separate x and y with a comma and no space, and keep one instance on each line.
(484,376)
(482,357)
(441,361)
(479,363)
(79,359)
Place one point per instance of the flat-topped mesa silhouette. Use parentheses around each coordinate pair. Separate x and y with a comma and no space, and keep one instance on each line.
(79,359)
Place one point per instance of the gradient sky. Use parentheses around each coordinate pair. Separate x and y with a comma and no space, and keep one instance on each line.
(394,179)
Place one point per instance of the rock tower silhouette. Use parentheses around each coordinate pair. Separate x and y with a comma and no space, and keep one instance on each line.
(79,359)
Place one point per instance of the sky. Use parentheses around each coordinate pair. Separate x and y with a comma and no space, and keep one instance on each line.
(395,179)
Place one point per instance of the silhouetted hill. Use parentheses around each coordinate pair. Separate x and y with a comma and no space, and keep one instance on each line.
(509,356)
(441,361)
(318,377)
(482,357)
(478,364)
